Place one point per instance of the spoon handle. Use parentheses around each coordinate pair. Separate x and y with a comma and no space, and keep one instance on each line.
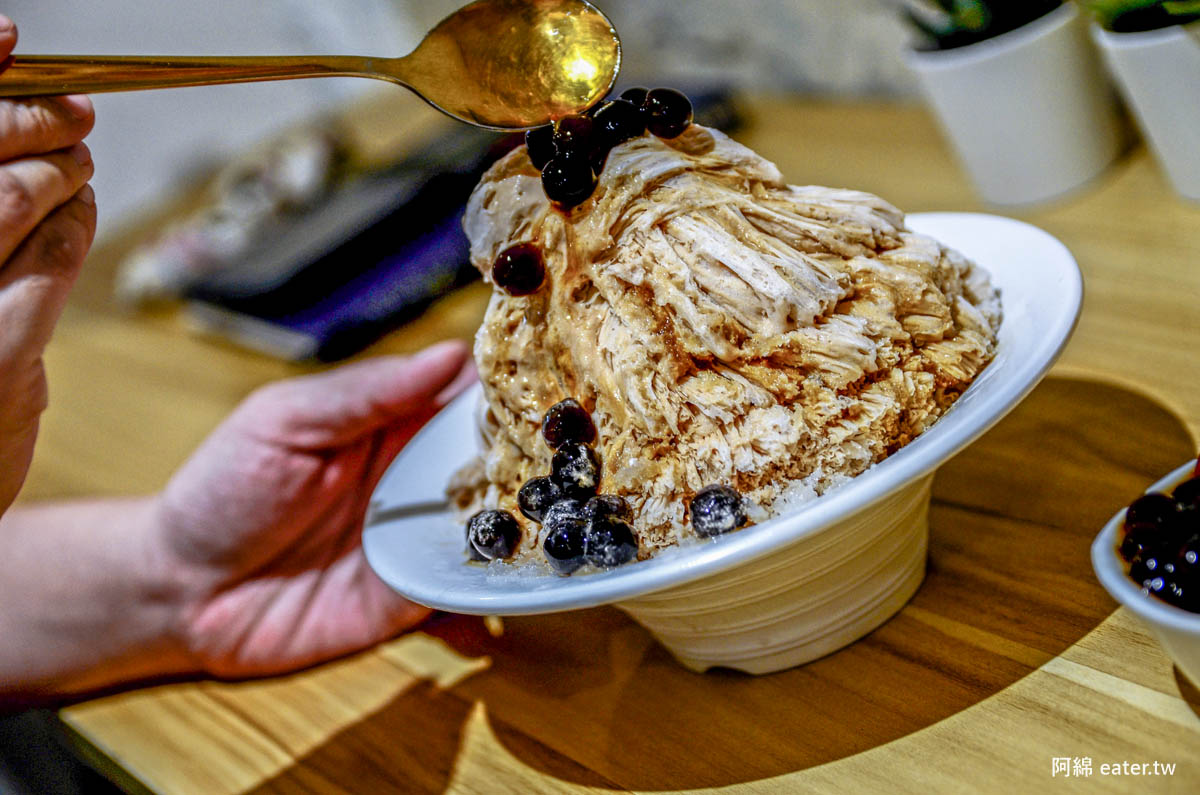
(40,75)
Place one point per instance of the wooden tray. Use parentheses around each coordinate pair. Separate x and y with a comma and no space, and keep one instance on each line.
(1009,655)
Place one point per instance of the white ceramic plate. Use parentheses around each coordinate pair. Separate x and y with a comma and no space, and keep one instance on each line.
(416,545)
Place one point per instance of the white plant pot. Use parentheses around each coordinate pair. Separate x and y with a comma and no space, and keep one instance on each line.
(1158,72)
(1030,113)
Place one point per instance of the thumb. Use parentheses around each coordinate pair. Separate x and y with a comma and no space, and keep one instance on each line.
(334,408)
(8,38)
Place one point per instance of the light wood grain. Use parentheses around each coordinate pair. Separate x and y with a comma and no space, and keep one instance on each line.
(1009,655)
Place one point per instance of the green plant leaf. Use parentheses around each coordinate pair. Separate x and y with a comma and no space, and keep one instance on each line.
(1179,7)
(1117,14)
(971,14)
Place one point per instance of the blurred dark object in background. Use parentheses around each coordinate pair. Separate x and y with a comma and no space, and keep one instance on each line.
(1136,16)
(368,257)
(948,24)
(371,254)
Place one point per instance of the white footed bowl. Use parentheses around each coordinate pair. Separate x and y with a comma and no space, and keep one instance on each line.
(805,600)
(786,590)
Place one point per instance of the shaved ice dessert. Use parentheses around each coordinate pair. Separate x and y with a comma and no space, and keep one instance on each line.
(680,343)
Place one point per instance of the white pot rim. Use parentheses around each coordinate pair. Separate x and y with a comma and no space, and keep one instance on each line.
(1145,38)
(955,58)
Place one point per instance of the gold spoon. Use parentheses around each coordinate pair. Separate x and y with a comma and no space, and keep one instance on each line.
(502,64)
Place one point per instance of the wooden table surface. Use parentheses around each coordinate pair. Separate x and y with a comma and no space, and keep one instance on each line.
(1009,656)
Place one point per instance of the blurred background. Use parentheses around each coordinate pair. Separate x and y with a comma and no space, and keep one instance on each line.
(311,239)
(145,143)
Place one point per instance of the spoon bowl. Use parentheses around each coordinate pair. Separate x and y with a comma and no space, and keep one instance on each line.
(500,64)
(508,63)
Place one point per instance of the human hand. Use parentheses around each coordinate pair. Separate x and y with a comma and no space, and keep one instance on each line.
(263,523)
(47,220)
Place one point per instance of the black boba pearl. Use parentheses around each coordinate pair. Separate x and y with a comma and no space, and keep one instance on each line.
(540,144)
(573,134)
(607,505)
(1187,574)
(1155,509)
(610,542)
(569,179)
(668,112)
(472,552)
(617,122)
(564,513)
(1142,570)
(565,547)
(519,270)
(1187,493)
(493,534)
(1187,562)
(1181,592)
(635,95)
(1138,571)
(536,497)
(597,159)
(1154,586)
(1142,540)
(575,467)
(567,421)
(716,510)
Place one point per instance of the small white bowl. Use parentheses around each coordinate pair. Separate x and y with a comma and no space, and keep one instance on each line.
(787,590)
(1175,628)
